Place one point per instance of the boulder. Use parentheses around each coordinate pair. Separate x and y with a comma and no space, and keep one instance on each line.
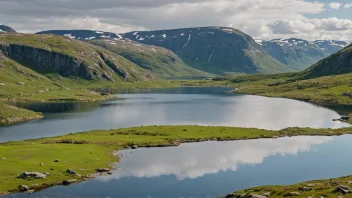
(342,189)
(20,83)
(231,195)
(294,194)
(72,172)
(267,194)
(69,181)
(2,84)
(41,164)
(134,147)
(23,187)
(34,175)
(46,173)
(256,196)
(302,188)
(103,170)
(57,160)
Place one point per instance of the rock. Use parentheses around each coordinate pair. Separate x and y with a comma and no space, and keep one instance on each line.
(69,181)
(301,188)
(347,94)
(40,91)
(342,189)
(23,187)
(57,160)
(29,191)
(46,173)
(52,169)
(256,196)
(102,170)
(134,147)
(35,175)
(294,194)
(20,83)
(231,195)
(41,164)
(72,172)
(109,173)
(267,194)
(2,84)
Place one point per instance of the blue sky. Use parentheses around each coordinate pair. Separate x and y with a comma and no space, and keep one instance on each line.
(342,13)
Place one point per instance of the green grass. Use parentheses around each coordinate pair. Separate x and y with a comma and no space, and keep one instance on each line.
(10,114)
(323,90)
(84,152)
(319,188)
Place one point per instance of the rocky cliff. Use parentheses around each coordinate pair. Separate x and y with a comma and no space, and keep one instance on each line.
(69,58)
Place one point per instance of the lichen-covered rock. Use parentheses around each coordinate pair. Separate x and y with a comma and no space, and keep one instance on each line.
(34,175)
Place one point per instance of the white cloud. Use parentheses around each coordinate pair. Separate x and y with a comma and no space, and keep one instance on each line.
(225,156)
(348,5)
(335,5)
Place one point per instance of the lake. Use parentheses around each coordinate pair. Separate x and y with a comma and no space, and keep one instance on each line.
(211,169)
(176,106)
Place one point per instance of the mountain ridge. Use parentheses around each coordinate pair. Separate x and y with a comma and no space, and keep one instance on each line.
(219,50)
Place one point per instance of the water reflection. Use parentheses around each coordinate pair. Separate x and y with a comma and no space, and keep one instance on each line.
(179,106)
(212,169)
(190,161)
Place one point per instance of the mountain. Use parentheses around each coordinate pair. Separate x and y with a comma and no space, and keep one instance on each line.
(49,54)
(218,50)
(331,46)
(82,34)
(159,60)
(300,54)
(4,28)
(335,64)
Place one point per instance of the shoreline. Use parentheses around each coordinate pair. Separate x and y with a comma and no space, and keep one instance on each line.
(105,143)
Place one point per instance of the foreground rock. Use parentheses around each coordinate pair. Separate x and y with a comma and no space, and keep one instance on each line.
(69,182)
(343,189)
(244,196)
(33,175)
(103,170)
(72,172)
(23,187)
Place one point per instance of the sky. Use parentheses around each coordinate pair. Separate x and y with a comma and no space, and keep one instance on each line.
(261,19)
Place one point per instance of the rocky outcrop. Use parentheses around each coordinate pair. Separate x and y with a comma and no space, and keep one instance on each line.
(43,60)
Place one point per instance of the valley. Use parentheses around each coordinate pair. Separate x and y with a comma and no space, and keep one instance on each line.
(73,103)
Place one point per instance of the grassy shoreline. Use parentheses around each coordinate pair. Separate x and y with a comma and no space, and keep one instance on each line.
(314,188)
(91,150)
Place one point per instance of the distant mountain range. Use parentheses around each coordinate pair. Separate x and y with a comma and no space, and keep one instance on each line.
(300,54)
(217,50)
(4,28)
(84,35)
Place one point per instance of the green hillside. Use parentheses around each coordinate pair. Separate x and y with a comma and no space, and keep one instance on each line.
(164,63)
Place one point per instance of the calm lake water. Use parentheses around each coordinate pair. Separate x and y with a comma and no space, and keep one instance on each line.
(176,106)
(211,169)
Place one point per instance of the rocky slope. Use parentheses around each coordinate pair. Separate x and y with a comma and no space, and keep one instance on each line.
(49,54)
(4,28)
(82,34)
(300,54)
(338,63)
(216,50)
(159,60)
